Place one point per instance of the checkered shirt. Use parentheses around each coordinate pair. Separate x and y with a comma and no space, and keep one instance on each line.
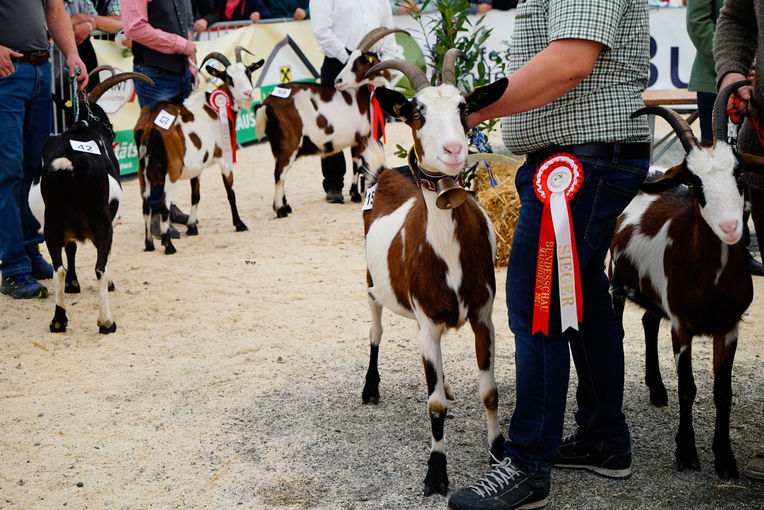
(598,108)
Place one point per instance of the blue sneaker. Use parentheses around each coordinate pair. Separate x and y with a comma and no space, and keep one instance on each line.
(23,286)
(41,270)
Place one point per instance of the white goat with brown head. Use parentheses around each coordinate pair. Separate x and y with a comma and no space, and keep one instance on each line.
(430,247)
(302,119)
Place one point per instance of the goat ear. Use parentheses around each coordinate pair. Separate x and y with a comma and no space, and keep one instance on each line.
(671,178)
(488,94)
(751,163)
(394,103)
(257,65)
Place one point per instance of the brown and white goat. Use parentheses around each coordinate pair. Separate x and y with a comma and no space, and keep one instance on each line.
(75,196)
(308,118)
(677,253)
(430,253)
(188,142)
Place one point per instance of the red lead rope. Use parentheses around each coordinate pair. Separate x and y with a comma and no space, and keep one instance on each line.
(736,118)
(377,117)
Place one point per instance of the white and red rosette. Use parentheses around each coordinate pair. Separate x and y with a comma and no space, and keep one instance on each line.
(221,103)
(557,180)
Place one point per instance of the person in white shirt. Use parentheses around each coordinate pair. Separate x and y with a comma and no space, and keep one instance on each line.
(338,27)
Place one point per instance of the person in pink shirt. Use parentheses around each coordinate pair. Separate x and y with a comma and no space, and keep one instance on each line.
(160,31)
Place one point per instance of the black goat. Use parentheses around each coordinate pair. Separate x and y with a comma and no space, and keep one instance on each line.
(75,196)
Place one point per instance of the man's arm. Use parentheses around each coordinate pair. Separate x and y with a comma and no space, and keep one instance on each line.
(137,28)
(550,74)
(322,22)
(60,29)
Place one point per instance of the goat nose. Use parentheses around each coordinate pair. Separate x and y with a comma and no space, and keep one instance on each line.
(452,147)
(729,227)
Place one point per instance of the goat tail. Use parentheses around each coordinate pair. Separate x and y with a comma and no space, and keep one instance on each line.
(261,119)
(62,163)
(374,162)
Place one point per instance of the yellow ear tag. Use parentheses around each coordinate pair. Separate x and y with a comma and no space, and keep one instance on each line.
(397,109)
(68,103)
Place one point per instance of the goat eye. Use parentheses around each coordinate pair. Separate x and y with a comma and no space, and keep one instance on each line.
(416,115)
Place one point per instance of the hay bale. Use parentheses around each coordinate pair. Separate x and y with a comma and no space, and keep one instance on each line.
(501,203)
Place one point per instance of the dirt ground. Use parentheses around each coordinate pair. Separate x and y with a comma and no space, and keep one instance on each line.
(235,375)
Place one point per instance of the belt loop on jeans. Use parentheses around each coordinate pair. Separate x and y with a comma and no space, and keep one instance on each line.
(35,57)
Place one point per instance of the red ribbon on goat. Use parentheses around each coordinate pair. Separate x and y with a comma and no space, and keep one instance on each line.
(219,100)
(377,117)
(737,118)
(557,180)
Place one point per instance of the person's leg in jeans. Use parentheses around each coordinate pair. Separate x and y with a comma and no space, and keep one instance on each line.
(332,167)
(25,120)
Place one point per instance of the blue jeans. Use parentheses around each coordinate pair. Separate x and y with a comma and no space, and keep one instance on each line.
(543,362)
(168,86)
(25,123)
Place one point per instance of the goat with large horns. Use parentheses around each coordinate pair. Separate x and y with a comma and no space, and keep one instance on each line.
(302,119)
(677,252)
(75,196)
(177,142)
(430,247)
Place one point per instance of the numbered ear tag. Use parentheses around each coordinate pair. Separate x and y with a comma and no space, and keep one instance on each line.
(164,120)
(369,202)
(281,92)
(90,147)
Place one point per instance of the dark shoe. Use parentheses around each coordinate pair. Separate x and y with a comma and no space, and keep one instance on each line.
(577,453)
(41,270)
(178,216)
(755,468)
(23,286)
(156,231)
(506,487)
(756,268)
(334,197)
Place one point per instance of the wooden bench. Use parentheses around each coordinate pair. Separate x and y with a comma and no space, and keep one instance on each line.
(681,100)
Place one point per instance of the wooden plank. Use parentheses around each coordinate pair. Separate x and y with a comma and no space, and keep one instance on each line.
(664,97)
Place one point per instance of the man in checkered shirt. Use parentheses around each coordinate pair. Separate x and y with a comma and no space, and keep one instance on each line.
(577,72)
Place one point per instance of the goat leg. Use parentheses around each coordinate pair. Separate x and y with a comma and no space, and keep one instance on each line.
(724,355)
(371,387)
(228,182)
(658,395)
(436,480)
(686,453)
(72,282)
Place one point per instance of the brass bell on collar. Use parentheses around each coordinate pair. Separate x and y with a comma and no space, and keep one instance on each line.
(449,194)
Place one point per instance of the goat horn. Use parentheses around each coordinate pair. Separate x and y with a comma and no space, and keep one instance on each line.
(104,67)
(217,56)
(720,109)
(415,75)
(238,51)
(108,83)
(375,35)
(677,122)
(448,74)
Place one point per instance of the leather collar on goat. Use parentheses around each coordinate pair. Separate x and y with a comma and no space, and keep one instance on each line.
(449,191)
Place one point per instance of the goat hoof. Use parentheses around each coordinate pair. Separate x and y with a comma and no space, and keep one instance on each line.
(111,286)
(104,330)
(149,246)
(687,460)
(370,394)
(72,287)
(724,463)
(169,249)
(58,327)
(240,227)
(659,397)
(497,449)
(192,230)
(282,212)
(355,196)
(436,481)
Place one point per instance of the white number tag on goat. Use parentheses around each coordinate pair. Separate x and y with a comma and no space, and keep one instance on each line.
(281,92)
(369,202)
(164,120)
(90,146)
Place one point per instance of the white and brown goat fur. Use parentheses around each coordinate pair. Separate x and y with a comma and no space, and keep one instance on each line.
(191,143)
(433,265)
(323,119)
(677,252)
(75,195)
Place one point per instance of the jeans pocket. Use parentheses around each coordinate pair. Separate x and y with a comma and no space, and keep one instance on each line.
(609,203)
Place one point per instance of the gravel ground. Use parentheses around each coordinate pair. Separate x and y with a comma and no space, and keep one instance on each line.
(234,379)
